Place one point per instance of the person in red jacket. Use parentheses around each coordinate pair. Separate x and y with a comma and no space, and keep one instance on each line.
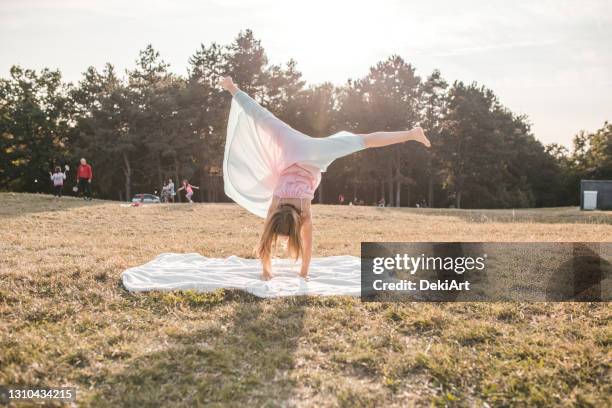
(84,176)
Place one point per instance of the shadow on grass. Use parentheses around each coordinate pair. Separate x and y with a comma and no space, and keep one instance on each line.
(245,359)
(583,277)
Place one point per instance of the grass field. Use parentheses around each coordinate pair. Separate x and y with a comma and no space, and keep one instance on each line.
(66,319)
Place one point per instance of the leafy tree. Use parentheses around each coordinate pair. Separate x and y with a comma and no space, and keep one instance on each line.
(206,108)
(385,100)
(433,111)
(34,127)
(592,153)
(107,134)
(246,60)
(149,112)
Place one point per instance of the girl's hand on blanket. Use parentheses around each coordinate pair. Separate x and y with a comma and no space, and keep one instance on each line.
(266,275)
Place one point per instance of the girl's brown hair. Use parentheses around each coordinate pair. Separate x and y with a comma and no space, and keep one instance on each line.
(285,221)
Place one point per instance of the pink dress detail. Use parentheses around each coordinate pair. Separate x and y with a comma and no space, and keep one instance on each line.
(298,182)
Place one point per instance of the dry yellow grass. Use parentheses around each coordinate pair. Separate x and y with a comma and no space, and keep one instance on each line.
(66,319)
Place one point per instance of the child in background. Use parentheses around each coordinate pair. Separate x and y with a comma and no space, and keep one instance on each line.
(188,190)
(164,193)
(171,191)
(58,178)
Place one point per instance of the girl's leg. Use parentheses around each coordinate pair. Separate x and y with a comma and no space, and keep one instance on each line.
(380,139)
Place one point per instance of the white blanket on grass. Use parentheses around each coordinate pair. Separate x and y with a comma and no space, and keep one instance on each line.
(333,275)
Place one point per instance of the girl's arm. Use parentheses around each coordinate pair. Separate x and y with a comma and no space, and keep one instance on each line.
(229,85)
(181,188)
(306,241)
(267,265)
(250,105)
(196,187)
(267,269)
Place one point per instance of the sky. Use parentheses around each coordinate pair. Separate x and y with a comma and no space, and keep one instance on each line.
(549,60)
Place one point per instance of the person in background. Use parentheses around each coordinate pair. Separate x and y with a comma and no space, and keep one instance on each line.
(170,187)
(341,199)
(188,190)
(164,193)
(84,176)
(58,177)
(381,202)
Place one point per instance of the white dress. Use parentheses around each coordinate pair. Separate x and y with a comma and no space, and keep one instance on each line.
(259,146)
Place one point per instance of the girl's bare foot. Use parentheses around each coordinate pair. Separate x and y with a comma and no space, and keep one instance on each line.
(304,275)
(419,136)
(266,275)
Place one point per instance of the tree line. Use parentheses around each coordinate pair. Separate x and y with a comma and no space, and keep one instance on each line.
(148,124)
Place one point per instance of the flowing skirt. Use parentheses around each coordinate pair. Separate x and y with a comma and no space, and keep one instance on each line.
(259,146)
